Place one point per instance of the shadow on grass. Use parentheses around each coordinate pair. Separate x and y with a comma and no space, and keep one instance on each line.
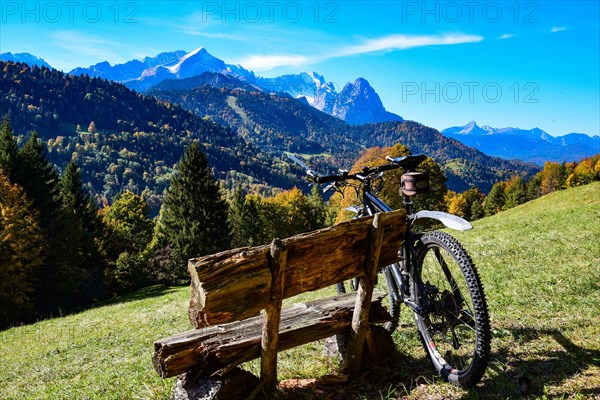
(140,294)
(530,371)
(508,370)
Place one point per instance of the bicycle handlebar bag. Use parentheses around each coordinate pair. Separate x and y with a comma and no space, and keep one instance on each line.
(413,183)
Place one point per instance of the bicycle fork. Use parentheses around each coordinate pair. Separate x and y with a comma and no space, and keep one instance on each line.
(397,280)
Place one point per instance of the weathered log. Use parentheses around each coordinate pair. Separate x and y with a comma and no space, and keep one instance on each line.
(220,348)
(234,285)
(272,316)
(360,318)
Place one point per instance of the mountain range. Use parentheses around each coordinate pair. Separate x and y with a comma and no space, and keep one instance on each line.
(532,145)
(278,122)
(356,103)
(24,58)
(136,139)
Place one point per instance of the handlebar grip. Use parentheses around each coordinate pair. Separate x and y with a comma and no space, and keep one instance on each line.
(387,167)
(327,179)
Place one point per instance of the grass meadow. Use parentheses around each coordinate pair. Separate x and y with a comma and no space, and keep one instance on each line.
(539,263)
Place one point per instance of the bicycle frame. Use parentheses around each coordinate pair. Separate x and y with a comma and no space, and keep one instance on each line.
(396,275)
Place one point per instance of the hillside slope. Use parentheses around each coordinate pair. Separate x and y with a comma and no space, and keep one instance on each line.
(277,123)
(136,140)
(538,263)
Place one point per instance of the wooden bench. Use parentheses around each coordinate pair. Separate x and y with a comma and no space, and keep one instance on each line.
(229,290)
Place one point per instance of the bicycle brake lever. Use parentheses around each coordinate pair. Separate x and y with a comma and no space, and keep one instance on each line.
(395,160)
(329,187)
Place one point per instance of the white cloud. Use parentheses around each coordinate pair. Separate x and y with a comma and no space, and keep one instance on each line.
(403,42)
(558,29)
(267,62)
(82,43)
(387,43)
(506,36)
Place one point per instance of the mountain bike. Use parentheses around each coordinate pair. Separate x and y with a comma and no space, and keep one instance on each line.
(436,278)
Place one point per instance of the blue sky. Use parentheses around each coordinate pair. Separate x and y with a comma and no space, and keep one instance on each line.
(519,63)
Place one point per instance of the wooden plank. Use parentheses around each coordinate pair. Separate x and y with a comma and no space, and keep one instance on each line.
(235,284)
(219,347)
(360,318)
(270,332)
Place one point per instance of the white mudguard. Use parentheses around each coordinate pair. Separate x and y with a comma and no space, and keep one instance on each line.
(449,220)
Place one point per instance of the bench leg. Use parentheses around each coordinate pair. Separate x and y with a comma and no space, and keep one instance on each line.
(272,316)
(360,318)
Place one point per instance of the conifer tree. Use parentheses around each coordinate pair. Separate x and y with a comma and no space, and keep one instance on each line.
(244,220)
(534,189)
(495,199)
(78,201)
(515,193)
(58,283)
(194,222)
(477,210)
(39,179)
(85,229)
(319,208)
(8,150)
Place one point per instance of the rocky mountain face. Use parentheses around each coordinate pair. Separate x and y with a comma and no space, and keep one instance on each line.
(141,75)
(24,58)
(130,70)
(305,84)
(532,145)
(356,103)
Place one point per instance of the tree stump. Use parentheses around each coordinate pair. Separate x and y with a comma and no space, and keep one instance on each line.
(385,349)
(235,385)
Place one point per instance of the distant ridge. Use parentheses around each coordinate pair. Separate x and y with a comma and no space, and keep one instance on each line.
(24,58)
(531,145)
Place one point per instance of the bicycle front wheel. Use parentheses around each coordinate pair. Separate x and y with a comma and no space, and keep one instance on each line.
(452,317)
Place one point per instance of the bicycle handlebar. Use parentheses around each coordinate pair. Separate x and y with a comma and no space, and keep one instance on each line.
(408,163)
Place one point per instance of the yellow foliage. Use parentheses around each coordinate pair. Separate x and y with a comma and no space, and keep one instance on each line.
(20,250)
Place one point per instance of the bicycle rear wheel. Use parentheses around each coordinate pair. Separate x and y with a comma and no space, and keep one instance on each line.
(453,320)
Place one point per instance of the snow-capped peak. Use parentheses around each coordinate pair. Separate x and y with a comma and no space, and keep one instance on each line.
(317,78)
(175,68)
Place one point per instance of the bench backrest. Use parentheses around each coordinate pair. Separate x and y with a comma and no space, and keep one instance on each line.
(235,284)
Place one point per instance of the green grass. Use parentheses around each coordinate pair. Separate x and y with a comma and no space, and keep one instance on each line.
(539,262)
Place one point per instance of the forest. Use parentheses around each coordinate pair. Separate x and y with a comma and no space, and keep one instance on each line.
(103,190)
(60,249)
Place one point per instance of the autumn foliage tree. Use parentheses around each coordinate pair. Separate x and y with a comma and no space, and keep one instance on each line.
(129,231)
(20,253)
(375,156)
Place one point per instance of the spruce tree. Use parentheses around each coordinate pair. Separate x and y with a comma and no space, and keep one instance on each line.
(237,216)
(78,201)
(194,222)
(244,220)
(39,179)
(81,214)
(477,210)
(59,278)
(495,199)
(515,193)
(8,150)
